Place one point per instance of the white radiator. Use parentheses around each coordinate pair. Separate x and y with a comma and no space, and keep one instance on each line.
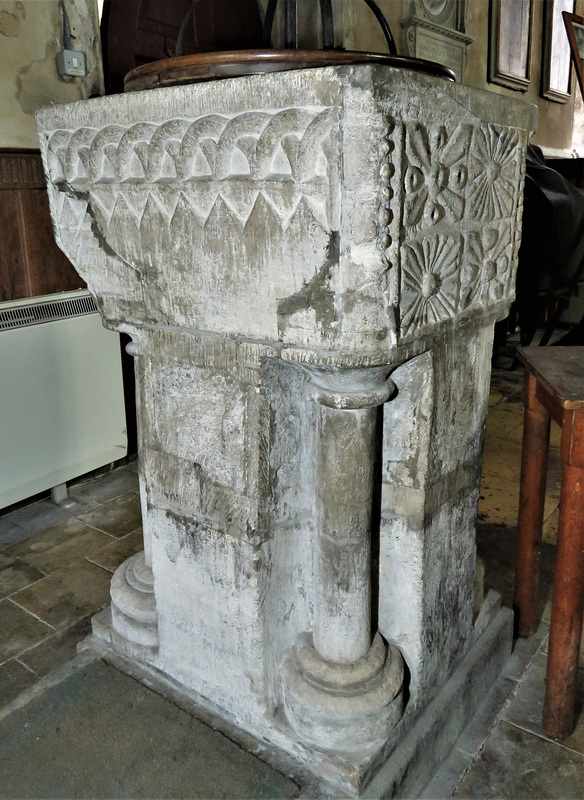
(61,394)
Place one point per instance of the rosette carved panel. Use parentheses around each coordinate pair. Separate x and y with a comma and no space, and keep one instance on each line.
(462,194)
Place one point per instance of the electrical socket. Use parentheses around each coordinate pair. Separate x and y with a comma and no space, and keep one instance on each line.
(71,62)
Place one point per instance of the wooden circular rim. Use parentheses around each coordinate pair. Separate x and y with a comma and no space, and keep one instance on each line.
(237,63)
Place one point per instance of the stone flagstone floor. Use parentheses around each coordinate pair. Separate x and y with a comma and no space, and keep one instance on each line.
(56,565)
(55,569)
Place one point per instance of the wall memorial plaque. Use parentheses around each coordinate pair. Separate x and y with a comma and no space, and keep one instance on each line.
(436,30)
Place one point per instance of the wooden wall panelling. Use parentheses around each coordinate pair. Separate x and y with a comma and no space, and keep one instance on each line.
(31,264)
(14,282)
(21,169)
(50,270)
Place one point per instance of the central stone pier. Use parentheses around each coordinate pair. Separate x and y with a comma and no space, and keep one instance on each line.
(310,265)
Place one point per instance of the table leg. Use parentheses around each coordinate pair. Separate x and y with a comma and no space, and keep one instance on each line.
(536,434)
(567,600)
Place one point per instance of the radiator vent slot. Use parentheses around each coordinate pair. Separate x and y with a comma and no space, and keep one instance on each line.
(47,311)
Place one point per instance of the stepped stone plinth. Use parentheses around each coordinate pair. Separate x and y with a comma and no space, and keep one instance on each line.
(310,265)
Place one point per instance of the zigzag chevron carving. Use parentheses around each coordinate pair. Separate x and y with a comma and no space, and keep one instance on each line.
(282,156)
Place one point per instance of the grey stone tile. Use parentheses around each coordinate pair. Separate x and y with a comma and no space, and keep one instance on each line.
(107,487)
(57,649)
(67,596)
(11,532)
(100,733)
(117,517)
(14,679)
(524,652)
(516,765)
(60,546)
(117,552)
(508,383)
(15,575)
(19,630)
(133,466)
(43,514)
(525,709)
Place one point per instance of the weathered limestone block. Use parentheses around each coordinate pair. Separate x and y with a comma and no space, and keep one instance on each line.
(433,435)
(278,246)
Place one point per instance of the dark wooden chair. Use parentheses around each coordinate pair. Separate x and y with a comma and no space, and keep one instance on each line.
(551,257)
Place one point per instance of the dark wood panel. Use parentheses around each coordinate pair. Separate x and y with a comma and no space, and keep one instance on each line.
(14,276)
(50,270)
(20,169)
(31,264)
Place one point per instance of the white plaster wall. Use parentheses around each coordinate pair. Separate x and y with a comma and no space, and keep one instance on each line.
(30,38)
(357,29)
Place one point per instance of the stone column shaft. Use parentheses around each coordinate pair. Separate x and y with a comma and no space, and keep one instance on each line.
(345,465)
(342,687)
(132,350)
(133,606)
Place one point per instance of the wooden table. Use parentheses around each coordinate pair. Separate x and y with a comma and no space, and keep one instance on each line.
(553,388)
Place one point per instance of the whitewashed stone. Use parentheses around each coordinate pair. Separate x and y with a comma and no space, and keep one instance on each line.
(133,603)
(277,246)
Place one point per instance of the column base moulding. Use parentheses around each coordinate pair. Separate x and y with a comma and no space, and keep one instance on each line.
(402,771)
(133,608)
(343,707)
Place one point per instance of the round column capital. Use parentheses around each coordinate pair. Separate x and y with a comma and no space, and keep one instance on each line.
(132,349)
(350,387)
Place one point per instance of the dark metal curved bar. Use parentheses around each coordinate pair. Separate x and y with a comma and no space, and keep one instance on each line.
(328,27)
(391,46)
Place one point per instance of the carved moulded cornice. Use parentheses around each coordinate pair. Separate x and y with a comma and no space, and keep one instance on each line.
(433,26)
